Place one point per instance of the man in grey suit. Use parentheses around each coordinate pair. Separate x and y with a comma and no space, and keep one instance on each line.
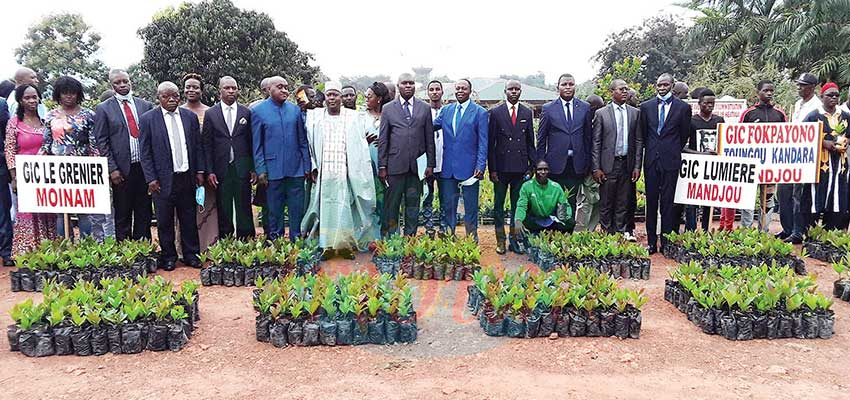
(616,157)
(116,127)
(406,133)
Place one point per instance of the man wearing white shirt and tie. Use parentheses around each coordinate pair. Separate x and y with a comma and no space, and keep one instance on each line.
(228,148)
(173,163)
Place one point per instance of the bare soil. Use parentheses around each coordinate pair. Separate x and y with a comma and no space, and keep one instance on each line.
(451,359)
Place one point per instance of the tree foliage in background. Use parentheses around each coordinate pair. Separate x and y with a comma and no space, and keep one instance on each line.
(629,70)
(361,82)
(793,35)
(725,82)
(214,38)
(537,80)
(659,42)
(63,44)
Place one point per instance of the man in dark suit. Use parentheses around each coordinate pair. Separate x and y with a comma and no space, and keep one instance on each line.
(116,128)
(665,122)
(5,196)
(230,160)
(464,126)
(173,164)
(617,157)
(511,155)
(406,133)
(281,157)
(564,138)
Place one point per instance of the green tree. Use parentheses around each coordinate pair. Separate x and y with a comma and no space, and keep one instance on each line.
(724,81)
(629,70)
(659,42)
(214,38)
(361,82)
(63,44)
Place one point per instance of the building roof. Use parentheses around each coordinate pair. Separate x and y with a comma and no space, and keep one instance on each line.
(493,90)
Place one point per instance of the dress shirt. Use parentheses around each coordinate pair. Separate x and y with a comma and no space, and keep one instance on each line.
(438,141)
(135,154)
(567,117)
(667,103)
(461,108)
(801,109)
(184,165)
(621,116)
(232,109)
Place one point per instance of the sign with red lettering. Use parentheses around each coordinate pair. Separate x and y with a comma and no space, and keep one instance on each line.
(730,109)
(62,184)
(788,152)
(717,181)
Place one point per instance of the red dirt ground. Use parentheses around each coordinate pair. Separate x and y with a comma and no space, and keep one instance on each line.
(451,359)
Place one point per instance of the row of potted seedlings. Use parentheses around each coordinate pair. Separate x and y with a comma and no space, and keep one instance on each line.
(117,316)
(827,245)
(568,303)
(743,303)
(841,287)
(232,262)
(66,262)
(352,309)
(447,258)
(745,247)
(609,254)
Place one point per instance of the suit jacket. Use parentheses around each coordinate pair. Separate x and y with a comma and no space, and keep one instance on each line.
(280,140)
(511,147)
(218,140)
(464,150)
(112,133)
(401,141)
(4,119)
(555,137)
(666,147)
(155,147)
(605,139)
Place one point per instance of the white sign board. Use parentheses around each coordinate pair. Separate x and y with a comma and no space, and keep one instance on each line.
(717,181)
(787,151)
(62,184)
(730,110)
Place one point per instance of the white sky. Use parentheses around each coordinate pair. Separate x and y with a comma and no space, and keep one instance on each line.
(456,38)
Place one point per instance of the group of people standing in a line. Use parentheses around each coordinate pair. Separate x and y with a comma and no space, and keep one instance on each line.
(344,176)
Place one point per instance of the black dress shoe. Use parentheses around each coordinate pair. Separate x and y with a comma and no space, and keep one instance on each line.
(194,263)
(652,249)
(8,262)
(794,239)
(781,235)
(168,265)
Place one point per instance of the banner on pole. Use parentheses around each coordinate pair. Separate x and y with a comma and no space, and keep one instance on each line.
(788,152)
(729,109)
(62,184)
(717,181)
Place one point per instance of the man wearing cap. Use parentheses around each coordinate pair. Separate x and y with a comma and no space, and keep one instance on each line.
(342,201)
(790,194)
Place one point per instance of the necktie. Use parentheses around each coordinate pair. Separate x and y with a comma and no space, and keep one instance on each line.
(178,141)
(662,113)
(513,115)
(458,115)
(131,120)
(230,129)
(407,112)
(569,114)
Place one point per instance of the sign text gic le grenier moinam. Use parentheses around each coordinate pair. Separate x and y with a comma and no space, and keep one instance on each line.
(61,184)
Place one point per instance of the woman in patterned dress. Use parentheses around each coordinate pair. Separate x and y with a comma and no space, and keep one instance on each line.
(376,96)
(829,199)
(25,135)
(193,89)
(68,131)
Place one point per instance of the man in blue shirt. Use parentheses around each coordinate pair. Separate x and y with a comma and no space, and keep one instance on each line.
(281,157)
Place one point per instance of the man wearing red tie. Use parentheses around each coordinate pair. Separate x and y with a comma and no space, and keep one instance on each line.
(116,128)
